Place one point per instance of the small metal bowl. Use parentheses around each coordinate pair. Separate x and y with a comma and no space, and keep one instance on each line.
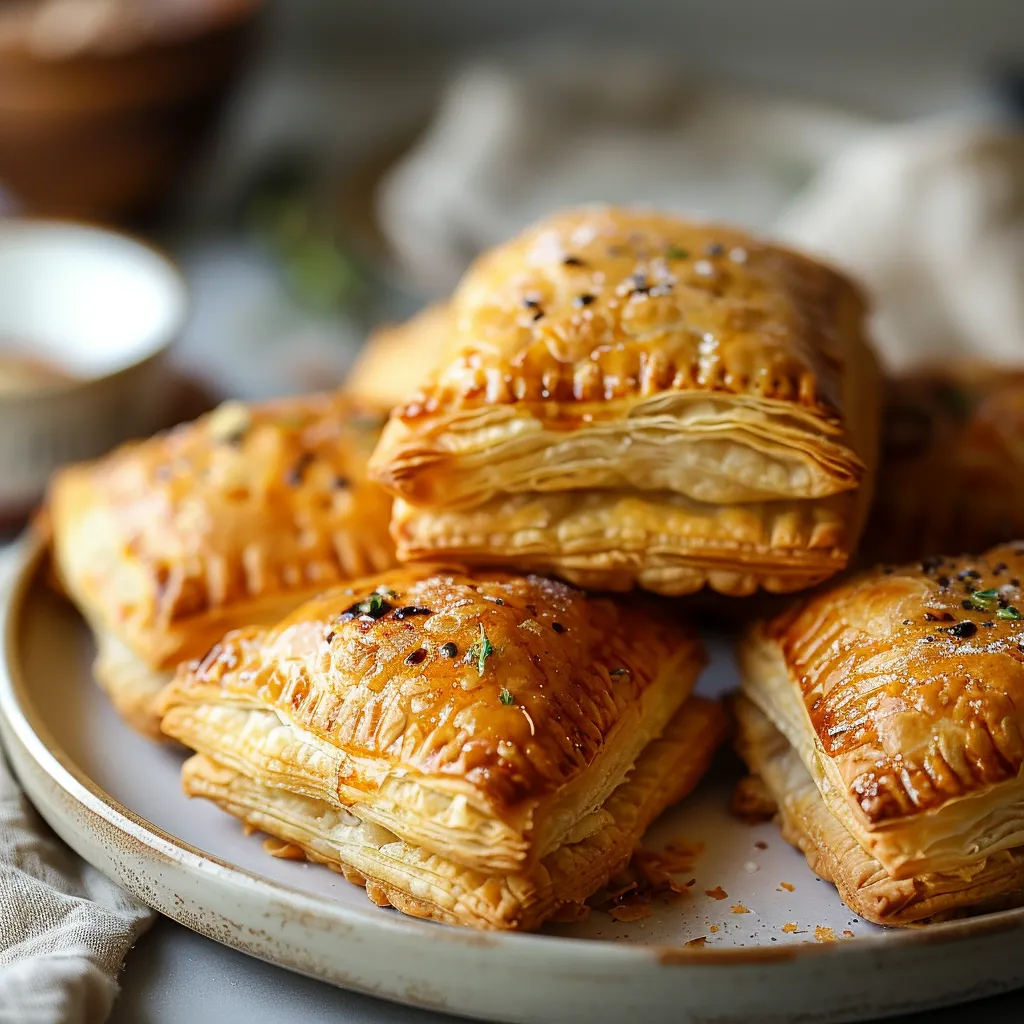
(86,316)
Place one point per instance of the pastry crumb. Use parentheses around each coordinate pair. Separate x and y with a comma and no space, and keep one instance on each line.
(787,886)
(631,912)
(718,893)
(282,850)
(698,943)
(847,933)
(713,928)
(823,934)
(738,908)
(789,928)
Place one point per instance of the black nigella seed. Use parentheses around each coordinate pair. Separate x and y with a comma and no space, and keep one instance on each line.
(330,636)
(928,617)
(928,639)
(411,609)
(715,249)
(415,657)
(538,314)
(1014,582)
(908,622)
(999,567)
(966,604)
(943,581)
(989,623)
(341,482)
(298,470)
(583,300)
(448,650)
(931,564)
(573,261)
(558,627)
(530,303)
(494,600)
(962,630)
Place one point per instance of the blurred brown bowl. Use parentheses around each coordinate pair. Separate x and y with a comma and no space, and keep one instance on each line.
(107,134)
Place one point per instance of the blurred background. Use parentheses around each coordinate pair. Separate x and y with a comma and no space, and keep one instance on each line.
(315,168)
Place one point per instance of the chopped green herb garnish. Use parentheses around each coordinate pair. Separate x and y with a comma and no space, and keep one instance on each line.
(480,652)
(619,672)
(984,600)
(505,696)
(374,605)
(1009,612)
(673,252)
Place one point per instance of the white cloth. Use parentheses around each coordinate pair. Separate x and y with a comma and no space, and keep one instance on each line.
(64,928)
(930,217)
(514,139)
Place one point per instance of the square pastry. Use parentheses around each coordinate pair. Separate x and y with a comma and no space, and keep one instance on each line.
(167,543)
(885,716)
(952,460)
(630,399)
(480,750)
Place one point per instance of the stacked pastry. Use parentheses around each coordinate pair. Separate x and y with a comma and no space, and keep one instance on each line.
(618,399)
(630,399)
(168,543)
(885,717)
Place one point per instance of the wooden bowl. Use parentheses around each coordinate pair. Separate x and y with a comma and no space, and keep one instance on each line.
(105,133)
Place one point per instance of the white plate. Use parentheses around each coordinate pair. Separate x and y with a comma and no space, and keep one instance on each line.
(115,798)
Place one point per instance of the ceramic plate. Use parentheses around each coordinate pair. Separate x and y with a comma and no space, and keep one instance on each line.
(777,942)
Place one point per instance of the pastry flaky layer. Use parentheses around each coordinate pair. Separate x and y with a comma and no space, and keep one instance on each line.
(608,353)
(615,540)
(902,692)
(432,883)
(478,717)
(815,824)
(236,518)
(952,463)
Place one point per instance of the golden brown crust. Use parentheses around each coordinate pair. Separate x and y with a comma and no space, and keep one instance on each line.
(914,712)
(902,692)
(433,886)
(398,358)
(952,463)
(834,854)
(235,518)
(517,701)
(599,305)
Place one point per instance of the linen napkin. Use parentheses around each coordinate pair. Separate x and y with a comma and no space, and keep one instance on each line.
(516,137)
(64,928)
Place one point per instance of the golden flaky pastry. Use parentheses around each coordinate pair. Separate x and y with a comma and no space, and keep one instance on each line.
(632,398)
(952,463)
(234,519)
(450,738)
(901,694)
(397,358)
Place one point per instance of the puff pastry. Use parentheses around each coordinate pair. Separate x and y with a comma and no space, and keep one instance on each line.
(237,518)
(952,462)
(448,738)
(899,695)
(397,358)
(630,398)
